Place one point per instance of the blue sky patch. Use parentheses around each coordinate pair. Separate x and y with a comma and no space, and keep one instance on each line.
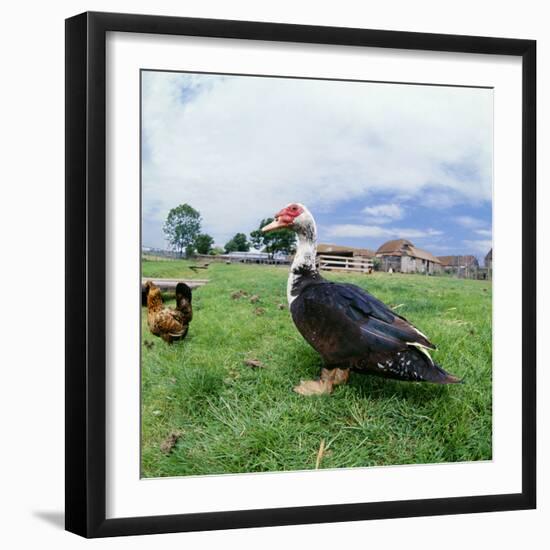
(372,161)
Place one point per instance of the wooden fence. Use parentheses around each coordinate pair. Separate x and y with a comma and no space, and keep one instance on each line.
(167,285)
(356,264)
(245,259)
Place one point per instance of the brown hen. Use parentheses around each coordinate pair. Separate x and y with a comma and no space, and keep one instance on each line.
(168,323)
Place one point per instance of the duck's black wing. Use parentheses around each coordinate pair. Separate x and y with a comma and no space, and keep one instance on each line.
(386,320)
(345,322)
(348,326)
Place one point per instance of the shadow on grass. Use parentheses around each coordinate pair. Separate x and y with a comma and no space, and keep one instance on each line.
(371,386)
(379,387)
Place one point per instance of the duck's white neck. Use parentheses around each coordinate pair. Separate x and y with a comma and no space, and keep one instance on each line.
(304,260)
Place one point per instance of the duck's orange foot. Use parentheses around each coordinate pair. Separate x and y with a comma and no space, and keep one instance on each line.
(314,387)
(325,385)
(336,376)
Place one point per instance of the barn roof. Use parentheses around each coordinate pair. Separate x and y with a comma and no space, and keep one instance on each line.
(422,254)
(322,248)
(395,247)
(404,247)
(325,248)
(489,255)
(456,261)
(367,252)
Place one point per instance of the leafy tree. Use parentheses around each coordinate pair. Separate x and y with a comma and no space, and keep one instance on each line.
(203,243)
(238,244)
(257,237)
(182,227)
(282,240)
(216,251)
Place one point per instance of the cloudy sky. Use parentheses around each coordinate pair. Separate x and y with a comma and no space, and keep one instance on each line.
(372,161)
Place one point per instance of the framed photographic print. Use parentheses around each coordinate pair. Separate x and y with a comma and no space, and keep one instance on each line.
(300,274)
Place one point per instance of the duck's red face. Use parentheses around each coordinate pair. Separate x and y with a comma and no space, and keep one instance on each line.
(284,218)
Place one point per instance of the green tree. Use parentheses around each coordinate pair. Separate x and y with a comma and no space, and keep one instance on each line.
(282,240)
(237,244)
(181,228)
(257,239)
(216,251)
(203,243)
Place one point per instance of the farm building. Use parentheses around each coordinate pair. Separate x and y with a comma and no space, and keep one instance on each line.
(489,259)
(487,271)
(401,255)
(335,257)
(460,265)
(256,257)
(342,250)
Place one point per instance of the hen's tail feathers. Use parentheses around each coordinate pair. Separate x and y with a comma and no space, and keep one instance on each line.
(183,294)
(145,292)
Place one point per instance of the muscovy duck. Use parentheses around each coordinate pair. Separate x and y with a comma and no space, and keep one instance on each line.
(347,325)
(168,323)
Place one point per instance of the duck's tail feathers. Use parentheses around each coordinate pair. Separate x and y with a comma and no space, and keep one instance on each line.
(416,364)
(440,376)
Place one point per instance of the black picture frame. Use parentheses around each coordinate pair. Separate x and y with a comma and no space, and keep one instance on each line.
(86,278)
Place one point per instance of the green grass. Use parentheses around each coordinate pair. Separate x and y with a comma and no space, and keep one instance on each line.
(233,418)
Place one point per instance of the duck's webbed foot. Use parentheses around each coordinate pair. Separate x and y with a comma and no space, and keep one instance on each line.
(325,385)
(336,376)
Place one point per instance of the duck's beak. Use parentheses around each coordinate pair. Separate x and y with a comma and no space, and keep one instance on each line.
(277,223)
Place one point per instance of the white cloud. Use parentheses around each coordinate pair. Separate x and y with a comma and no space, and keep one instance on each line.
(441,249)
(469,222)
(355,230)
(242,147)
(476,225)
(481,246)
(385,213)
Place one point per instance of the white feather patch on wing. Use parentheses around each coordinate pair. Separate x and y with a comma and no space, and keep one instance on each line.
(418,332)
(421,348)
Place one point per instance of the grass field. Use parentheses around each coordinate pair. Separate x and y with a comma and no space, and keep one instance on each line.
(230,417)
